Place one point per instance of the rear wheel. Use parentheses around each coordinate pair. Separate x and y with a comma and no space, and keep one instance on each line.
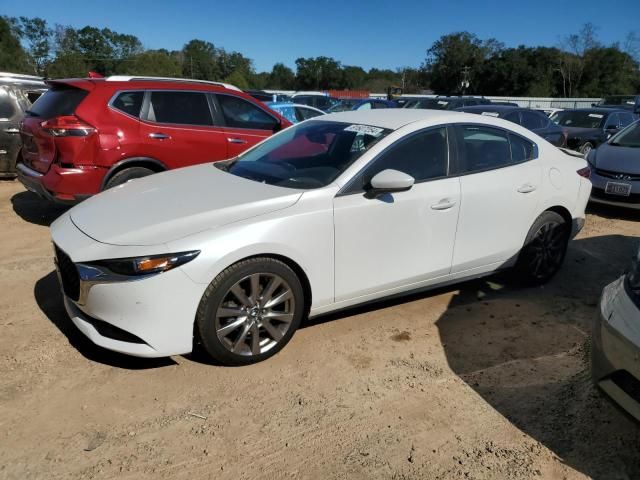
(127,175)
(544,249)
(250,311)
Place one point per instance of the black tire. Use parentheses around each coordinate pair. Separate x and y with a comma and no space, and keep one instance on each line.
(218,295)
(586,148)
(544,249)
(126,175)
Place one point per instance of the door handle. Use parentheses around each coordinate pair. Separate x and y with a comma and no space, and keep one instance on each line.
(444,204)
(11,130)
(527,188)
(159,135)
(239,141)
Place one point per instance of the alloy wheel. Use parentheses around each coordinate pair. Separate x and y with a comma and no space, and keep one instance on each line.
(547,249)
(255,314)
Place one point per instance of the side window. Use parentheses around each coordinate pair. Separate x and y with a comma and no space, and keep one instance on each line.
(484,148)
(187,108)
(513,117)
(238,113)
(626,119)
(424,156)
(613,121)
(129,102)
(533,120)
(521,149)
(6,108)
(305,113)
(365,106)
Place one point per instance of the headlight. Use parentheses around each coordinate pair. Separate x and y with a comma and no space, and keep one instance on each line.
(136,266)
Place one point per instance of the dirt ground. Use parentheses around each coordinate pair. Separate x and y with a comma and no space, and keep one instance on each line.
(476,381)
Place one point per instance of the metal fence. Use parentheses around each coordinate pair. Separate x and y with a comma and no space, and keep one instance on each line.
(548,102)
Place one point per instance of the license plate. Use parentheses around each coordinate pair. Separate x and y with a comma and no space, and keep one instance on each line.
(615,188)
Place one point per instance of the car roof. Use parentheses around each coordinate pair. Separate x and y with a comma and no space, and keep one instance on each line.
(490,108)
(602,110)
(118,82)
(396,118)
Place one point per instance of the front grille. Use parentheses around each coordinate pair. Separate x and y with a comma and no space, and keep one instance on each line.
(634,198)
(628,383)
(618,175)
(68,275)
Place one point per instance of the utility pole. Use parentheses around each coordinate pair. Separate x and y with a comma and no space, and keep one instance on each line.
(465,79)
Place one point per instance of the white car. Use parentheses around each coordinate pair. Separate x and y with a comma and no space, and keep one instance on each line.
(332,212)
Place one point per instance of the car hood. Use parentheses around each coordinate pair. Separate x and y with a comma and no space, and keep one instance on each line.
(618,159)
(171,205)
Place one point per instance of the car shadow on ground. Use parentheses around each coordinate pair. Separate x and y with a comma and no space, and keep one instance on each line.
(525,351)
(49,298)
(34,209)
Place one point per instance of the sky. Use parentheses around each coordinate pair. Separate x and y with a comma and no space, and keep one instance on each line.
(366,33)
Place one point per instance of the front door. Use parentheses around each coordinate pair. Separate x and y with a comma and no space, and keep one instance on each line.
(403,238)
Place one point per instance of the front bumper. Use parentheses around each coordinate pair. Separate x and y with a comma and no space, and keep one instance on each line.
(66,186)
(150,316)
(598,194)
(615,353)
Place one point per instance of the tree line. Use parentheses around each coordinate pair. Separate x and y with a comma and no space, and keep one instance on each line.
(580,65)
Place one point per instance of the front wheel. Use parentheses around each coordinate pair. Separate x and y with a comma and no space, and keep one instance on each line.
(585,149)
(544,249)
(250,311)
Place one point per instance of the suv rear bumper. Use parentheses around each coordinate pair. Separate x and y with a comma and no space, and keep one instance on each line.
(57,184)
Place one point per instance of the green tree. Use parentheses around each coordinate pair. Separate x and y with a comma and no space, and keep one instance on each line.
(69,65)
(199,61)
(607,71)
(37,36)
(159,63)
(12,56)
(281,78)
(354,77)
(319,73)
(238,79)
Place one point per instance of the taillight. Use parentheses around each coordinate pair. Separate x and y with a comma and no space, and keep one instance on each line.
(584,172)
(67,126)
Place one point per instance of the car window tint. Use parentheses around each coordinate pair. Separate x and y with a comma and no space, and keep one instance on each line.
(521,149)
(424,156)
(59,100)
(513,117)
(484,148)
(626,119)
(238,113)
(189,108)
(6,106)
(612,121)
(533,120)
(129,102)
(305,113)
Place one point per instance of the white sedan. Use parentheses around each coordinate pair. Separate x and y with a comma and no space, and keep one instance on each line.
(333,212)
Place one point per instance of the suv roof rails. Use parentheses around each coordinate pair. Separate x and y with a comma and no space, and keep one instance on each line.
(19,78)
(132,78)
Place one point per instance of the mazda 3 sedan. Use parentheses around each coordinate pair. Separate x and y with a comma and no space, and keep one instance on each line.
(335,211)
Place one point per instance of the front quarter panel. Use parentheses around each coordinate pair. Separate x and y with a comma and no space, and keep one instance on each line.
(302,233)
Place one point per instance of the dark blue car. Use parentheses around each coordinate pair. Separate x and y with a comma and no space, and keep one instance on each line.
(362,104)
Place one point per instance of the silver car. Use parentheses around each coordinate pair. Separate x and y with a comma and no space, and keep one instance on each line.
(616,341)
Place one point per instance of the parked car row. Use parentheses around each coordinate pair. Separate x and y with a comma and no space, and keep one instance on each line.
(282,222)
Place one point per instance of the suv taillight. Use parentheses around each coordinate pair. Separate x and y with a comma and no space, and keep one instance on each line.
(67,126)
(584,172)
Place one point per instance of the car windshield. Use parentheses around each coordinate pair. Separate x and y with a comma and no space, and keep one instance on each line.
(308,155)
(342,106)
(629,137)
(578,119)
(428,103)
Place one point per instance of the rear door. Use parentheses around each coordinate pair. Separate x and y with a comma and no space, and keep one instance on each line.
(245,123)
(500,186)
(178,128)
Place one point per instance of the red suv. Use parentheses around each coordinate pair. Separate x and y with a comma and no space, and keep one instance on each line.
(86,135)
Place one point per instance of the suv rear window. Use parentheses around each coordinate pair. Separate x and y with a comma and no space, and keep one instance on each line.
(58,101)
(129,102)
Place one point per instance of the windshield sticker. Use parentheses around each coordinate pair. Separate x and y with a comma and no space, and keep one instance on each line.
(630,102)
(596,115)
(490,114)
(442,102)
(365,129)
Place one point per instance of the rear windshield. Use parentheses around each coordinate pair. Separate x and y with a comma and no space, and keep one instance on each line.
(578,119)
(57,101)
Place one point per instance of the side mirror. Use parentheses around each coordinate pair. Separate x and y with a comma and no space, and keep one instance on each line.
(389,181)
(611,128)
